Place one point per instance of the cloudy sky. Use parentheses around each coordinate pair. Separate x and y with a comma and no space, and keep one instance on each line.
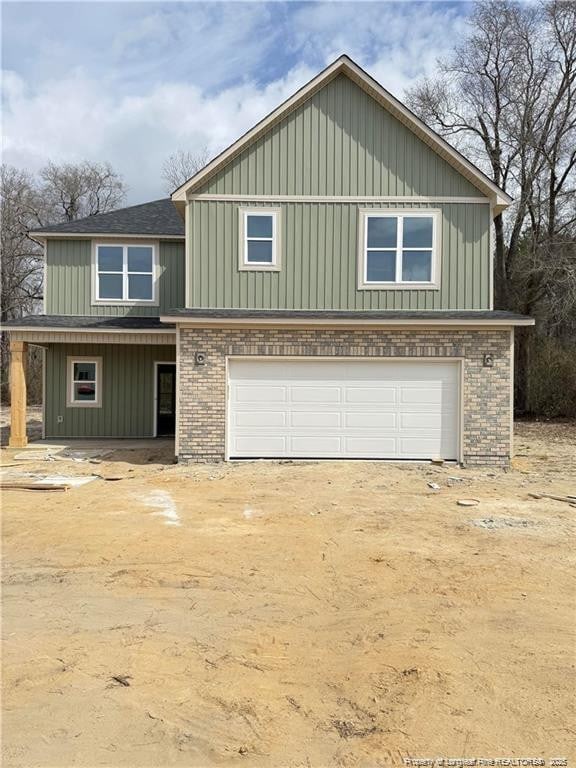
(131,82)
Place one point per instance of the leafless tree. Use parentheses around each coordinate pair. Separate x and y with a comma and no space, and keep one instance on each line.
(21,272)
(73,191)
(507,98)
(181,166)
(61,193)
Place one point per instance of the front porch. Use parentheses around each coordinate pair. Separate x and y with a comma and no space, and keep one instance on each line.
(97,384)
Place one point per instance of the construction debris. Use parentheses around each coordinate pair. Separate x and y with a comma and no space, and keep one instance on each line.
(33,487)
(566,499)
(122,680)
(32,481)
(34,456)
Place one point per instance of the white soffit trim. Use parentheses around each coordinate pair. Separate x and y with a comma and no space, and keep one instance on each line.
(346,66)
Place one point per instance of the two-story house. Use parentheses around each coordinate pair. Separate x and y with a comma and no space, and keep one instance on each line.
(321,289)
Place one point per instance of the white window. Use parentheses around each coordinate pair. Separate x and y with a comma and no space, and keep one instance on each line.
(399,249)
(259,239)
(125,274)
(84,382)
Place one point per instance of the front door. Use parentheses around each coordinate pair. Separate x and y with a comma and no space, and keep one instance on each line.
(165,399)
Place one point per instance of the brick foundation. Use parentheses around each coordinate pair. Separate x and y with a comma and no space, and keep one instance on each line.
(486,395)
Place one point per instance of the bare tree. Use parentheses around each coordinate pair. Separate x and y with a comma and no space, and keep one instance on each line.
(73,191)
(21,272)
(507,98)
(21,275)
(62,193)
(181,166)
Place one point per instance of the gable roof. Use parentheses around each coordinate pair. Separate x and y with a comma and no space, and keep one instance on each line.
(345,65)
(159,218)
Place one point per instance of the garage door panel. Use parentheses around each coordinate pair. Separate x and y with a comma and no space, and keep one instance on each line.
(371,446)
(374,394)
(260,393)
(370,419)
(313,419)
(318,394)
(259,444)
(315,445)
(260,418)
(424,421)
(343,408)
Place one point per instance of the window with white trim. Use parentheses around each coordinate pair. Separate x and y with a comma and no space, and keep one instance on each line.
(125,274)
(259,234)
(400,249)
(84,377)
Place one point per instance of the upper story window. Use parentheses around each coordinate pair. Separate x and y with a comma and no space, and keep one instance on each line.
(125,274)
(259,239)
(399,249)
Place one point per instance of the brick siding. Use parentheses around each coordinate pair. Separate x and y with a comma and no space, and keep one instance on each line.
(486,395)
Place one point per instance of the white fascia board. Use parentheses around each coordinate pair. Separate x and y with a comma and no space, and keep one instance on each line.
(86,235)
(235,322)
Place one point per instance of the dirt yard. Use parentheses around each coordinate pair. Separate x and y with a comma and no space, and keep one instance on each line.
(290,614)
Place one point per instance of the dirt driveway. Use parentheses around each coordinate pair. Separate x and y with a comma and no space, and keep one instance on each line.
(291,614)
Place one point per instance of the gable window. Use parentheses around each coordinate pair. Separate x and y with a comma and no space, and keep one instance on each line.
(259,239)
(399,249)
(84,376)
(125,274)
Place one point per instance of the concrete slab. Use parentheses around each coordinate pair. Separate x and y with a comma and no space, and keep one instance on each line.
(91,445)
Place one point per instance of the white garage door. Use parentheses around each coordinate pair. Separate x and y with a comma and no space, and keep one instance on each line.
(343,409)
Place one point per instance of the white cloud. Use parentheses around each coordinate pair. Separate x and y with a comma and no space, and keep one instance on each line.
(397,42)
(74,119)
(189,76)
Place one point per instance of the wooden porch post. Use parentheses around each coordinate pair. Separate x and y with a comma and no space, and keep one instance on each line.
(18,360)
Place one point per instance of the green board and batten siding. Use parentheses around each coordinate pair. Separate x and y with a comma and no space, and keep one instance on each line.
(127,390)
(339,143)
(69,274)
(319,244)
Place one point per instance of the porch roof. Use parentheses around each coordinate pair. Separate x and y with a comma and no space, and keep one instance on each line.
(88,323)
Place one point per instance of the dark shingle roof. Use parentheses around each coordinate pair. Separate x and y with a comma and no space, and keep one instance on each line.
(347,314)
(68,322)
(74,322)
(159,217)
